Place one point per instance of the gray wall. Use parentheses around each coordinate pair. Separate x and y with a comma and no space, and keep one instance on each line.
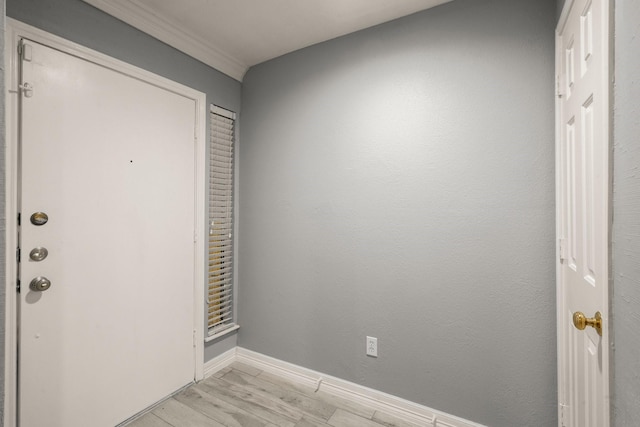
(399,183)
(626,217)
(83,24)
(559,6)
(2,215)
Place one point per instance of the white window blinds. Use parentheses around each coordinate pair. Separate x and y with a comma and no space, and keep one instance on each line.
(220,291)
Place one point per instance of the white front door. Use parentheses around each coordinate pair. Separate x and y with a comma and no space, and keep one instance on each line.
(582,151)
(110,160)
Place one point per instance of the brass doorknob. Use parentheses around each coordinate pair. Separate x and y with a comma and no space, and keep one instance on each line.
(581,321)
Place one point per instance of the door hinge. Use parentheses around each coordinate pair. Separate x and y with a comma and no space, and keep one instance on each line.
(558,94)
(19,218)
(194,338)
(562,249)
(25,51)
(18,285)
(563,415)
(18,255)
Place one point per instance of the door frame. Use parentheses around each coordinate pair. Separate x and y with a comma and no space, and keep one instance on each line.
(14,31)
(562,322)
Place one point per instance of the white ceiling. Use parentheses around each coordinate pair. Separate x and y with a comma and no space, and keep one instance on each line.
(233,35)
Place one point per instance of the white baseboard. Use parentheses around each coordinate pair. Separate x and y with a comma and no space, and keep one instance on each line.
(377,400)
(220,362)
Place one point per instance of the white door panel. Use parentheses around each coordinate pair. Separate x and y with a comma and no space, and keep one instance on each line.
(110,159)
(583,211)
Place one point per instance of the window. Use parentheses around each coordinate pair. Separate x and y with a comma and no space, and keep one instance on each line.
(220,265)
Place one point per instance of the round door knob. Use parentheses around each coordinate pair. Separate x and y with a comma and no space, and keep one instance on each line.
(40,284)
(38,254)
(581,321)
(39,218)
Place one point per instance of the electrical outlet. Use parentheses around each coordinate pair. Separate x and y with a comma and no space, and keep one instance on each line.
(372,346)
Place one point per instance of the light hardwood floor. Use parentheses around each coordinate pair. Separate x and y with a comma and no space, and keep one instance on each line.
(243,396)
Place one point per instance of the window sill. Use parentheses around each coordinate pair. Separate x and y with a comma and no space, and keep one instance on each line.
(222,333)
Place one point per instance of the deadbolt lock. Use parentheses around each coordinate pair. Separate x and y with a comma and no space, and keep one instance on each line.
(38,254)
(40,284)
(39,218)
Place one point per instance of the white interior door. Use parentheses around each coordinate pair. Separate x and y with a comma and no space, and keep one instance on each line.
(110,159)
(583,212)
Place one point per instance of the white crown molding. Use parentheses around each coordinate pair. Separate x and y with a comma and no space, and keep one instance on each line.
(145,20)
(377,400)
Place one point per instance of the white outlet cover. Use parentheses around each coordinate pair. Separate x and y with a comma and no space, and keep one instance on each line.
(372,346)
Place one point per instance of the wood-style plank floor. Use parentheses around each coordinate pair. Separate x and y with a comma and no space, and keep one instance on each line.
(243,396)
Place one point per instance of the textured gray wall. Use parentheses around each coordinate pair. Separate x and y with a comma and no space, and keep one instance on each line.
(83,24)
(399,183)
(2,215)
(559,6)
(626,217)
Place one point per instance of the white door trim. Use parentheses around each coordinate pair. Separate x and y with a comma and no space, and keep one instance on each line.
(563,323)
(16,30)
(560,294)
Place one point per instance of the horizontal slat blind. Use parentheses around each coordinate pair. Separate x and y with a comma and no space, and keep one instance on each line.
(220,291)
